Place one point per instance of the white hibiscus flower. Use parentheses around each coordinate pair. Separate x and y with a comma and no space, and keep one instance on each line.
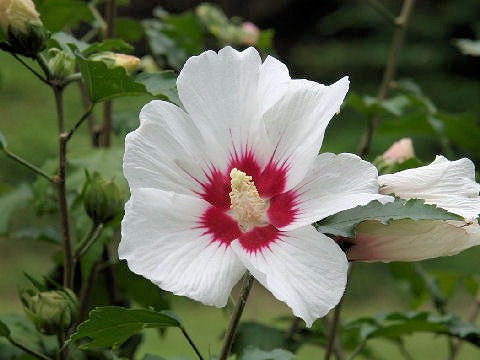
(448,184)
(234,182)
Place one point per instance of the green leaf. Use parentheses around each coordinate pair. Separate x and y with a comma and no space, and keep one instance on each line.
(56,14)
(152,357)
(162,85)
(344,222)
(3,141)
(50,234)
(396,324)
(11,202)
(22,330)
(108,45)
(261,337)
(139,289)
(65,42)
(468,47)
(4,331)
(104,83)
(129,29)
(252,353)
(111,325)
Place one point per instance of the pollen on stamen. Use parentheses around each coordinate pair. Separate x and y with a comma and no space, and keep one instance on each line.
(247,206)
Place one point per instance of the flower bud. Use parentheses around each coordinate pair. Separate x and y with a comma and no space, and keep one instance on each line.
(61,63)
(22,27)
(399,152)
(51,311)
(128,62)
(250,34)
(102,199)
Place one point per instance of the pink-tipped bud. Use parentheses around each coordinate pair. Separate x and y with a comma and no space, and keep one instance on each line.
(128,62)
(399,152)
(250,34)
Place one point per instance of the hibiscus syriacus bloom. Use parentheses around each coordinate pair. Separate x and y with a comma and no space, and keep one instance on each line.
(448,184)
(234,182)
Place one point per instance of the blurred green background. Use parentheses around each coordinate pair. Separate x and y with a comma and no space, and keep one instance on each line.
(320,41)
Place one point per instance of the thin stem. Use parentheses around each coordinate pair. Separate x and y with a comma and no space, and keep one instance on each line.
(93,128)
(27,350)
(296,321)
(337,347)
(332,333)
(110,13)
(60,180)
(472,316)
(80,122)
(237,314)
(389,72)
(382,10)
(358,350)
(25,163)
(190,341)
(31,69)
(89,240)
(43,64)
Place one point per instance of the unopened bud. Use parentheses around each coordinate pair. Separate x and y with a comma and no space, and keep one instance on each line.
(51,311)
(128,62)
(102,199)
(23,30)
(399,152)
(61,63)
(250,34)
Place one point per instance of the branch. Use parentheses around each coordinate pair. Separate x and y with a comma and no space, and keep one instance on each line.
(60,180)
(190,341)
(25,163)
(110,13)
(79,122)
(472,315)
(237,314)
(31,69)
(389,72)
(27,350)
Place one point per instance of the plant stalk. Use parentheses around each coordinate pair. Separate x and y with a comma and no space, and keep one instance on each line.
(25,163)
(389,72)
(237,314)
(60,181)
(472,316)
(27,350)
(110,13)
(190,341)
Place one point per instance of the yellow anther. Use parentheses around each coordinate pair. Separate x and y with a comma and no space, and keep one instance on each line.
(247,206)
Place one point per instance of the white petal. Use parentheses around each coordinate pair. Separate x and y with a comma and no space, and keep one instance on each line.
(409,240)
(448,184)
(295,125)
(303,268)
(334,183)
(273,82)
(165,152)
(162,241)
(221,94)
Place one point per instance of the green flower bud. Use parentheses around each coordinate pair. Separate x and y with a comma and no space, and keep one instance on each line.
(50,311)
(61,63)
(22,27)
(102,199)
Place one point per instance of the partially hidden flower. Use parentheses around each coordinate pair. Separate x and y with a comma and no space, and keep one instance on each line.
(448,184)
(399,152)
(22,27)
(234,182)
